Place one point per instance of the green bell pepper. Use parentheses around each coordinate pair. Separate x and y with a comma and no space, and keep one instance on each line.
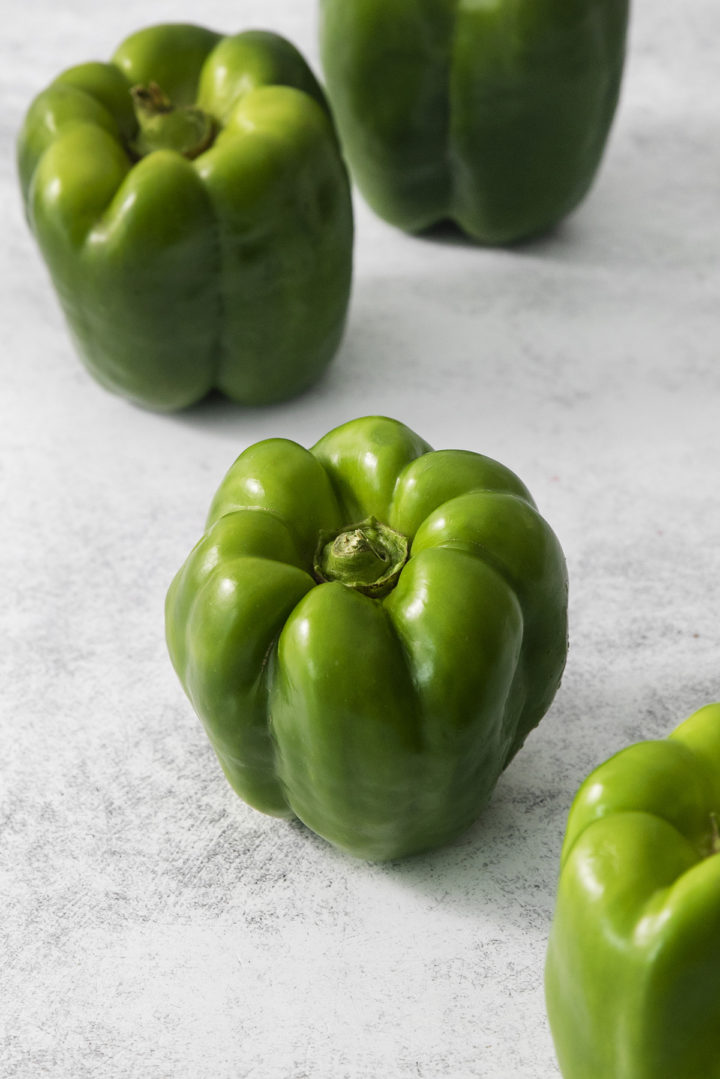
(633,964)
(492,114)
(368,631)
(194,211)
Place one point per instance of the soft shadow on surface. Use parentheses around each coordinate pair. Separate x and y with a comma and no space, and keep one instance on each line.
(646,206)
(448,233)
(217,414)
(503,870)
(505,867)
(212,411)
(507,860)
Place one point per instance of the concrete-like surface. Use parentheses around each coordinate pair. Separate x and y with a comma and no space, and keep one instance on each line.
(154,927)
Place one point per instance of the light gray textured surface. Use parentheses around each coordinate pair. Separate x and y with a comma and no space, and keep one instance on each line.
(153,926)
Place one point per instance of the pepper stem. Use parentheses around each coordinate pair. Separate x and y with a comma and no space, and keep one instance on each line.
(161,126)
(367,557)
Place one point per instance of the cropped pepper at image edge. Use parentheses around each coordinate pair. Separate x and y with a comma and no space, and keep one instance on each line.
(633,965)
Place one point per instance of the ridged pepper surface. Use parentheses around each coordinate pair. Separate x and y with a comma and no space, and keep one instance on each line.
(369,630)
(633,965)
(192,206)
(492,114)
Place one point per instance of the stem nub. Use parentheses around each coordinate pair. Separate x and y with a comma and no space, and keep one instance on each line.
(161,126)
(367,557)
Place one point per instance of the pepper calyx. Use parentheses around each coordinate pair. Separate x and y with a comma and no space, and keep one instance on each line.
(186,129)
(367,556)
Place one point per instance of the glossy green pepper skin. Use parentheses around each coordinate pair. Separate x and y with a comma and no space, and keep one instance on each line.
(494,115)
(633,965)
(192,206)
(369,630)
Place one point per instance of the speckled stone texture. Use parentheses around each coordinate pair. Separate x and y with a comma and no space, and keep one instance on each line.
(153,927)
